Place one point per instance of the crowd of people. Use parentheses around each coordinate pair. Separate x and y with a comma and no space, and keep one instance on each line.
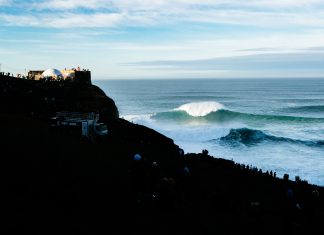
(298,199)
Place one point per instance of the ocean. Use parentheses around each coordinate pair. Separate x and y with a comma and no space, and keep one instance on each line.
(272,124)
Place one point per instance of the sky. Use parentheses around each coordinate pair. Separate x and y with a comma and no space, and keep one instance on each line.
(156,39)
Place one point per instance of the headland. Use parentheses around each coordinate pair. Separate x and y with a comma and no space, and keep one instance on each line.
(133,180)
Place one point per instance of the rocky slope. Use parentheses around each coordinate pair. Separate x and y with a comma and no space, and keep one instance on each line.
(55,181)
(43,99)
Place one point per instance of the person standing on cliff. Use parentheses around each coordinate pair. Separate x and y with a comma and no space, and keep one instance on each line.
(153,176)
(138,176)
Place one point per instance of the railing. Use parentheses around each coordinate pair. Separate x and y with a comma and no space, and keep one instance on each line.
(77,115)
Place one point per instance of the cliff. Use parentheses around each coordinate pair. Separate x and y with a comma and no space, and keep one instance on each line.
(54,181)
(44,99)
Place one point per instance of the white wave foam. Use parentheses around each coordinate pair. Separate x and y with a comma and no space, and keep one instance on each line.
(200,109)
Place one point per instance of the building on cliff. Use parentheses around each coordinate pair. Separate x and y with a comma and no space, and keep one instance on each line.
(75,75)
(86,124)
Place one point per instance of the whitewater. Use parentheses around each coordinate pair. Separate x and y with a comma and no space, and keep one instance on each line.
(274,125)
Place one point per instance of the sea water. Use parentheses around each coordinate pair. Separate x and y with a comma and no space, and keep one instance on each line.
(273,124)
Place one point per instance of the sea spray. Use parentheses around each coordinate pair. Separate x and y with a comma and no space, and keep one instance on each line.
(200,109)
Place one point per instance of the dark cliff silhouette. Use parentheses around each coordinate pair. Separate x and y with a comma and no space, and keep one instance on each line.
(132,181)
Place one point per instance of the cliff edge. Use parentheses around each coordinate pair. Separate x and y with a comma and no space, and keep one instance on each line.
(133,180)
(44,99)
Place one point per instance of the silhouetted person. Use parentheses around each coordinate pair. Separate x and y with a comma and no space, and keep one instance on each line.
(290,194)
(181,152)
(186,171)
(315,195)
(167,193)
(314,204)
(138,176)
(297,178)
(154,175)
(205,152)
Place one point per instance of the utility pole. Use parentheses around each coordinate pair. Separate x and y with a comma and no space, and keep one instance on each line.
(0,67)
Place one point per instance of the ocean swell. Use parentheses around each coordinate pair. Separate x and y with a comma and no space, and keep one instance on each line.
(308,108)
(223,115)
(249,137)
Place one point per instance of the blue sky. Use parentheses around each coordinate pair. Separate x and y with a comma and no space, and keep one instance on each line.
(118,39)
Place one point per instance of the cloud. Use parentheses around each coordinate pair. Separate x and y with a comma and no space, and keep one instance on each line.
(261,49)
(175,34)
(71,4)
(259,62)
(315,49)
(135,5)
(273,65)
(6,52)
(277,49)
(5,2)
(67,20)
(103,13)
(23,41)
(161,5)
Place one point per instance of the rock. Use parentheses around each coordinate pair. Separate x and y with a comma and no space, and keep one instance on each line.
(46,98)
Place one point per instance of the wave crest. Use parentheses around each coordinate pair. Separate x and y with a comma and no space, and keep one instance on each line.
(200,109)
(224,115)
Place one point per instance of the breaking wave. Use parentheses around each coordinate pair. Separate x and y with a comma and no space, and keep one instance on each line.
(200,109)
(216,112)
